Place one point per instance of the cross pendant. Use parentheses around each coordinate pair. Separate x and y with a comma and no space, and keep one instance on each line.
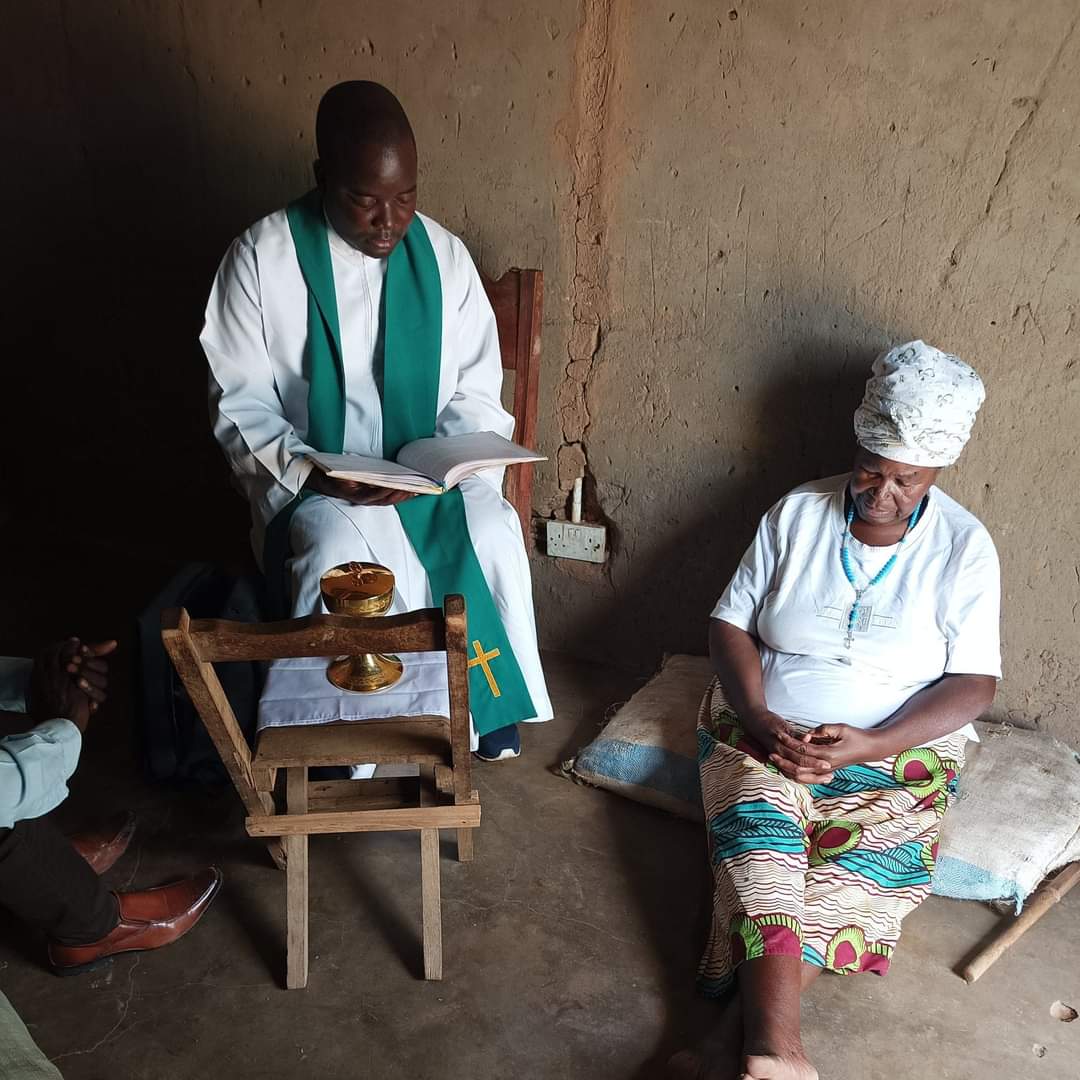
(849,638)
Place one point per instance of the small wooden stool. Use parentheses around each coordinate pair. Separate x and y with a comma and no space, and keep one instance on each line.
(441,797)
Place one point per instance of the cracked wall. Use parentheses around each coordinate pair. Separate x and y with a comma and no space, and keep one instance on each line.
(783,190)
(586,241)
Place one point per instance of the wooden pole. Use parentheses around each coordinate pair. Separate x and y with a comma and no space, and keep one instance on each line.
(1042,900)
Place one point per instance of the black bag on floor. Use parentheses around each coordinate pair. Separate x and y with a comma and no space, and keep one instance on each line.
(176,746)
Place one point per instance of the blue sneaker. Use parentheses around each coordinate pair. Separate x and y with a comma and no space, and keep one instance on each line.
(500,744)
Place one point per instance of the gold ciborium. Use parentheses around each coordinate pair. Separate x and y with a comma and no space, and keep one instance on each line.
(360,588)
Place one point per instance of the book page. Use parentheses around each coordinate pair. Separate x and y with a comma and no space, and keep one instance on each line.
(451,458)
(374,471)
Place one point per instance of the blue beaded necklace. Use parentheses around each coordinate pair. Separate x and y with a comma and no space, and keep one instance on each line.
(849,573)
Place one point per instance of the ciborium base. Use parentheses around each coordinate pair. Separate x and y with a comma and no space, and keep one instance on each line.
(368,673)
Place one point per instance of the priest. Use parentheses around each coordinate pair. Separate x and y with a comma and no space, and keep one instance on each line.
(350,323)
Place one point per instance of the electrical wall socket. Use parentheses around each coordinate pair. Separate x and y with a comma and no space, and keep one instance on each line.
(570,540)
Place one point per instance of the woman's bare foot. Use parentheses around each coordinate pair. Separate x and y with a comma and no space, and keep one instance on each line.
(790,1066)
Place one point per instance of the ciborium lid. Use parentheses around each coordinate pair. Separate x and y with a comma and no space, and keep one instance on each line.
(357,588)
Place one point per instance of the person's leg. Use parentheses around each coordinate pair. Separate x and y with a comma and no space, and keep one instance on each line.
(48,885)
(872,851)
(325,532)
(719,1055)
(756,825)
(770,988)
(20,1057)
(148,919)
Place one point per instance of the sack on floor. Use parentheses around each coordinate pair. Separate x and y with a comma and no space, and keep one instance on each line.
(175,744)
(1017,817)
(648,749)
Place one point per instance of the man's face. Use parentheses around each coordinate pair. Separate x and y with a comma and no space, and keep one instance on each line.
(886,491)
(369,194)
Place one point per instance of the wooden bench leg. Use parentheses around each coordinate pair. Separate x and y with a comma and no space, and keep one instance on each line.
(465,845)
(432,902)
(296,885)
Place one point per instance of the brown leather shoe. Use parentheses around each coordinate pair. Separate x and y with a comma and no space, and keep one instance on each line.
(148,920)
(102,847)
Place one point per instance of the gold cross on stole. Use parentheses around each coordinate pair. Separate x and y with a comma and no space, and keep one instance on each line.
(482,659)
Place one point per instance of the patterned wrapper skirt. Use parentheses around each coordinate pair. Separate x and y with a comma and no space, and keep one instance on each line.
(825,872)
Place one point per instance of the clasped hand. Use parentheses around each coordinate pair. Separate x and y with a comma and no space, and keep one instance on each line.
(810,757)
(352,491)
(70,679)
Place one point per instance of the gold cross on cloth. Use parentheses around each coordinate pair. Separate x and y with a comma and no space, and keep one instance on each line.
(481,658)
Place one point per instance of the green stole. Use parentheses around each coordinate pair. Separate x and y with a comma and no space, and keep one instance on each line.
(411,315)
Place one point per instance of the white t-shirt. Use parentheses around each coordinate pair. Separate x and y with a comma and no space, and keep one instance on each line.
(936,611)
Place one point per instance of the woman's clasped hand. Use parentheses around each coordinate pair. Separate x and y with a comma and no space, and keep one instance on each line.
(811,757)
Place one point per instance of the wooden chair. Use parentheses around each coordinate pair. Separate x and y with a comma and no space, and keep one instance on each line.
(442,797)
(518,301)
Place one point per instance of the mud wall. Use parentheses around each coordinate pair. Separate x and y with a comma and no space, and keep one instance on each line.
(780,190)
(735,206)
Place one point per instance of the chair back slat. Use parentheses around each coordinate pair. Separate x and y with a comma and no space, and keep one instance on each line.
(218,640)
(517,298)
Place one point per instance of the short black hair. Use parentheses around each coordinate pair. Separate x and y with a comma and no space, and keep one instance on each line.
(359,112)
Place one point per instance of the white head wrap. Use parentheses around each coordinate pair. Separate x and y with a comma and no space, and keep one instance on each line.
(919,406)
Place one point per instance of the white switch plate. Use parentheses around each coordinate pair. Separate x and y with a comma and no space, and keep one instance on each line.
(566,540)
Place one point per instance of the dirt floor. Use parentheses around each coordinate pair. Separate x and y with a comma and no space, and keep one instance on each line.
(570,947)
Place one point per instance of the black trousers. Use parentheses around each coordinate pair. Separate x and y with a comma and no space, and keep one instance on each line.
(46,883)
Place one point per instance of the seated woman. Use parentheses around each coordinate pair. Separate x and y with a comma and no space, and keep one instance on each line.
(853,647)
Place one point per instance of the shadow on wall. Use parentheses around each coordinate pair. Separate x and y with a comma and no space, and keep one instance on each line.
(801,431)
(113,232)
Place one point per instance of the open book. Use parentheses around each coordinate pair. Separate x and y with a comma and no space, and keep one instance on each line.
(428,466)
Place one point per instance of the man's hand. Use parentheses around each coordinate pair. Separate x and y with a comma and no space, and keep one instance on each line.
(70,680)
(351,491)
(829,747)
(784,748)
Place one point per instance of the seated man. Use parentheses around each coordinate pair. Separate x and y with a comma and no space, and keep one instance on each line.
(349,323)
(51,882)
